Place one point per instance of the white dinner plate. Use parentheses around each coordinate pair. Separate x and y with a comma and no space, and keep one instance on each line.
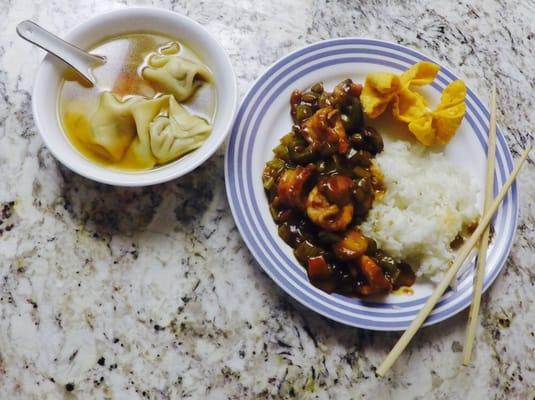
(264,117)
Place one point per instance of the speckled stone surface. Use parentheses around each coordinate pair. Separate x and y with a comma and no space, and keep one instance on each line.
(150,293)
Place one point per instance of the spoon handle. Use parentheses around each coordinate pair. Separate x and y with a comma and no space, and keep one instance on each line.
(78,59)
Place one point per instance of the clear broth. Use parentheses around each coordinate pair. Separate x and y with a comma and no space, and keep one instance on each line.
(126,56)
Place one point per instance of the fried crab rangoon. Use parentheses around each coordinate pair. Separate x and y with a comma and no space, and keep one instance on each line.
(431,128)
(439,125)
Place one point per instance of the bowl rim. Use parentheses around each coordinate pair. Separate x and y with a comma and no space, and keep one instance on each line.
(143,178)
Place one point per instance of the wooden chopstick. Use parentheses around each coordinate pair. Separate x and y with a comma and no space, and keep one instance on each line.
(484,242)
(452,271)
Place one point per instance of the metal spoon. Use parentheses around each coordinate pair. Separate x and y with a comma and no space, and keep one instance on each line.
(76,58)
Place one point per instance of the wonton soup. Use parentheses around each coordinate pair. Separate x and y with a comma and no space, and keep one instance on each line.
(154,102)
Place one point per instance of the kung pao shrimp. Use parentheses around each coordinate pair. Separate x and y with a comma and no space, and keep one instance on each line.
(321,184)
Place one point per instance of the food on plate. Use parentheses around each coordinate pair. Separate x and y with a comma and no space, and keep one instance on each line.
(364,216)
(153,103)
(382,88)
(437,127)
(321,185)
(430,127)
(429,204)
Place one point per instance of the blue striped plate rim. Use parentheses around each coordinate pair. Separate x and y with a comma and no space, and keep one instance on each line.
(260,240)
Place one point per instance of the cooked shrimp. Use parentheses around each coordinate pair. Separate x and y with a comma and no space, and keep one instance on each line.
(329,204)
(337,189)
(326,126)
(291,188)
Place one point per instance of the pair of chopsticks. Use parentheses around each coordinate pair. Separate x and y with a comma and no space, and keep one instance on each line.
(480,234)
(484,241)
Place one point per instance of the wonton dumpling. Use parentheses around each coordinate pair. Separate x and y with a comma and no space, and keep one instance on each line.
(173,74)
(165,131)
(176,134)
(112,126)
(144,113)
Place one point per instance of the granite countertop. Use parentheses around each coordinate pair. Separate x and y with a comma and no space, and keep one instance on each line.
(110,292)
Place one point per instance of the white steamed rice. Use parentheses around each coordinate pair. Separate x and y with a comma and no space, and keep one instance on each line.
(428,201)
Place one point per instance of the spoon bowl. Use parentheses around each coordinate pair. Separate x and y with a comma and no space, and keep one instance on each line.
(79,60)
